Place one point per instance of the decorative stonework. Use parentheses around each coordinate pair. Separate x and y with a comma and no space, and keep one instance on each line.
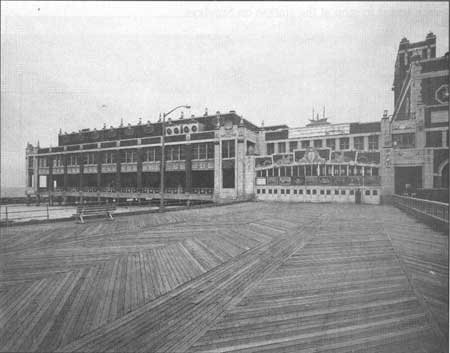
(109,168)
(128,167)
(175,165)
(73,170)
(441,94)
(203,165)
(404,124)
(58,170)
(44,171)
(90,169)
(150,166)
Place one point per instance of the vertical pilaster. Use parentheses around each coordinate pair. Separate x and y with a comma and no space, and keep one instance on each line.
(50,173)
(139,155)
(98,157)
(217,169)
(117,156)
(240,168)
(65,175)
(36,174)
(427,170)
(81,165)
(188,166)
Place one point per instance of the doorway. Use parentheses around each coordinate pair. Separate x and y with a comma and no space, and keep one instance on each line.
(407,179)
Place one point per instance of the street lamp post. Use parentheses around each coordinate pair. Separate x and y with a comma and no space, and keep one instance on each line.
(163,154)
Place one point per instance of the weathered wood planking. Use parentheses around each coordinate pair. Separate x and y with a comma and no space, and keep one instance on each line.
(237,278)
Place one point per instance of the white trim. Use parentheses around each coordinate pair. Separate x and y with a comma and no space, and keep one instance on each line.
(442,166)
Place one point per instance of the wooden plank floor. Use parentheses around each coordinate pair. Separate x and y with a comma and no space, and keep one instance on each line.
(248,277)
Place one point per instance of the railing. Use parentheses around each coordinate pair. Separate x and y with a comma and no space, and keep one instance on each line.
(132,189)
(435,210)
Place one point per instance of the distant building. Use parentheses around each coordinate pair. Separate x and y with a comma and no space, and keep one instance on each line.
(225,157)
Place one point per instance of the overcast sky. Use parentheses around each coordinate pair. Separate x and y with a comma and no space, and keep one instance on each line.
(78,65)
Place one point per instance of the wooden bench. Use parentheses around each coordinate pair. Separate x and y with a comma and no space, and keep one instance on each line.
(94,210)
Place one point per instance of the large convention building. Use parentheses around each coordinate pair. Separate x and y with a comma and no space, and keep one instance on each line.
(222,156)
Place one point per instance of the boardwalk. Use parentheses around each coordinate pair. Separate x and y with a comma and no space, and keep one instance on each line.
(253,277)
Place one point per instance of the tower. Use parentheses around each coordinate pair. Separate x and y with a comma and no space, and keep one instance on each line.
(408,52)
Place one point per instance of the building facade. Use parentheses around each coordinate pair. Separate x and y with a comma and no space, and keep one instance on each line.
(224,157)
(415,143)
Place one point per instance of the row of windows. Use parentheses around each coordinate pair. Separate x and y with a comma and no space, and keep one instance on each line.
(172,153)
(344,144)
(313,191)
(318,170)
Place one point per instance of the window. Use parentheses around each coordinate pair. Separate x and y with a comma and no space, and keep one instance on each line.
(152,154)
(322,192)
(30,162)
(109,157)
(318,143)
(293,146)
(203,150)
(282,191)
(305,144)
(300,191)
(281,147)
(424,54)
(368,192)
(174,153)
(331,143)
(258,191)
(344,143)
(373,142)
(228,178)
(434,139)
(275,191)
(342,192)
(72,159)
(404,140)
(374,192)
(288,191)
(228,150)
(57,161)
(336,192)
(263,191)
(89,158)
(128,156)
(328,192)
(352,192)
(314,191)
(358,143)
(43,162)
(270,191)
(295,192)
(270,148)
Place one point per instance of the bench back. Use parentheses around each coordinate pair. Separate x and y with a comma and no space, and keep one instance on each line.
(93,208)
